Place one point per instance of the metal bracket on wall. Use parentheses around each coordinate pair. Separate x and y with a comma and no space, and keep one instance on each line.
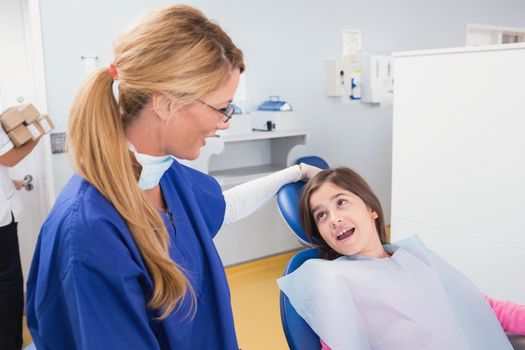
(58,142)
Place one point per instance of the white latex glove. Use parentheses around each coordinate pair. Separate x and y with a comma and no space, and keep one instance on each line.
(245,198)
(308,171)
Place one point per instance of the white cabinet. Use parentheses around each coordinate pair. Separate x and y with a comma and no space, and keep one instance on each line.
(459,160)
(234,159)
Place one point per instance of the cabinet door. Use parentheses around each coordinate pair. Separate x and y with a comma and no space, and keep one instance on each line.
(459,161)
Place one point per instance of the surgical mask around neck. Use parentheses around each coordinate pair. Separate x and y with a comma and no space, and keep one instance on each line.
(153,167)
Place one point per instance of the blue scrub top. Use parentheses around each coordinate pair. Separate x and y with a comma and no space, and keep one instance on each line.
(88,287)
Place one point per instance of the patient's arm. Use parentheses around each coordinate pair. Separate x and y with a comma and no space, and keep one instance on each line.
(511,316)
(323,345)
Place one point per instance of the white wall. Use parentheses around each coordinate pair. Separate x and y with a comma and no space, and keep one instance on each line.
(286,44)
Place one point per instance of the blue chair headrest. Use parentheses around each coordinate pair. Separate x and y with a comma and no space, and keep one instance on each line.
(288,203)
(288,199)
(313,160)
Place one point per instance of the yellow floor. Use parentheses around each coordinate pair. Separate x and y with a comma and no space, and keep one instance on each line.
(26,335)
(255,302)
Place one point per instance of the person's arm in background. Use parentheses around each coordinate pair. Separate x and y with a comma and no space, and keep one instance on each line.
(14,155)
(511,316)
(18,184)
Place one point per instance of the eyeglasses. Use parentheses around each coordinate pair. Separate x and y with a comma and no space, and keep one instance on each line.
(227,111)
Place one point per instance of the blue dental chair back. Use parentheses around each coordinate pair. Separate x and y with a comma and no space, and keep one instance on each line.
(298,334)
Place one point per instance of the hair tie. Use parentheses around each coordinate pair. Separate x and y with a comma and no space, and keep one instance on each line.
(113,71)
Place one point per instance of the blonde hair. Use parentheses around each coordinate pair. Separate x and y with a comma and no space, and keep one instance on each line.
(174,51)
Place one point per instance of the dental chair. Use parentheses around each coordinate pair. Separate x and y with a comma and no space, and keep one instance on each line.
(297,332)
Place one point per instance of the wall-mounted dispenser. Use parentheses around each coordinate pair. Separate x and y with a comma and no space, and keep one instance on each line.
(377,78)
(343,78)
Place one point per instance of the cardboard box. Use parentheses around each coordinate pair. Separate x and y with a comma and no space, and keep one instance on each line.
(45,123)
(20,135)
(29,112)
(11,118)
(35,129)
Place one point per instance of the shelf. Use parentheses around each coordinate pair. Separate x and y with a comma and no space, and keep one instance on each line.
(233,159)
(232,177)
(261,135)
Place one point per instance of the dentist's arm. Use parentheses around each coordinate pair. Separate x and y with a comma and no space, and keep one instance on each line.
(244,199)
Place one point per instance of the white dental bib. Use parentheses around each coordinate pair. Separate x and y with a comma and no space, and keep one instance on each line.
(412,300)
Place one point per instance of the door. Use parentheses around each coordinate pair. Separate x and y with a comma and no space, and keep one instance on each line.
(21,81)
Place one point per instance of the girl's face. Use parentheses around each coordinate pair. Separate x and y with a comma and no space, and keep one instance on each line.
(345,222)
(190,126)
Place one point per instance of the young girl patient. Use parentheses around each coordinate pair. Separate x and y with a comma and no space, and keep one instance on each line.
(368,294)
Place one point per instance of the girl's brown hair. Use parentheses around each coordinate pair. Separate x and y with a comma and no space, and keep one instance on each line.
(348,180)
(175,51)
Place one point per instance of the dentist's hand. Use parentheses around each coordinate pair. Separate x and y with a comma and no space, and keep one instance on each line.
(308,171)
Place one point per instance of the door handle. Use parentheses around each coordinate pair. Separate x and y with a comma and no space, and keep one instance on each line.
(28,183)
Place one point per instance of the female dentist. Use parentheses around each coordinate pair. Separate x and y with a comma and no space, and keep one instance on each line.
(126,258)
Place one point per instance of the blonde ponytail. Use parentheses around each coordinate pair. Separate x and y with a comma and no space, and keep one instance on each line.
(97,141)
